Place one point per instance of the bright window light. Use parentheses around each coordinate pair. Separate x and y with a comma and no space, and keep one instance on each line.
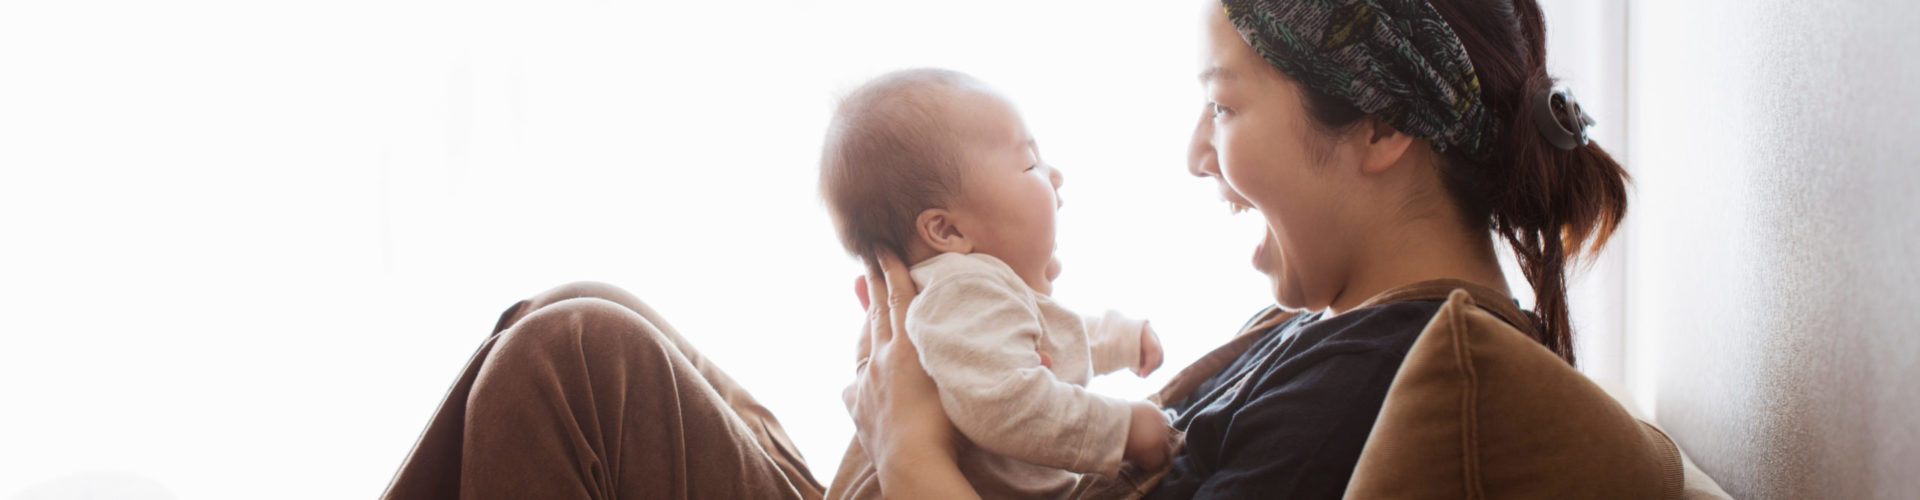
(249,245)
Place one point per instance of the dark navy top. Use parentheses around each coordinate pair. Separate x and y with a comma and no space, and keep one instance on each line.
(1295,426)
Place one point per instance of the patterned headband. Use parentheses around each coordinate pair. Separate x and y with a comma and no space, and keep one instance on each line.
(1396,59)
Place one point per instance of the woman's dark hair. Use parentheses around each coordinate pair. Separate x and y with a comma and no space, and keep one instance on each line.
(1550,205)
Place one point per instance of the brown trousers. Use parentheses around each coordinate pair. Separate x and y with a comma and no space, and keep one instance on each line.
(585,392)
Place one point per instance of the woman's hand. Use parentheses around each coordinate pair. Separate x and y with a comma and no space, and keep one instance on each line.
(895,405)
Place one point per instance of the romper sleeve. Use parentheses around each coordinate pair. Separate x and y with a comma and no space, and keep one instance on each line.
(1115,342)
(977,339)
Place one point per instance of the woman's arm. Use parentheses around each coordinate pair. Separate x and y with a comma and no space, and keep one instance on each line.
(895,406)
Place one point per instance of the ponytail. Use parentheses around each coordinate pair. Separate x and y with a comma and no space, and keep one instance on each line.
(1553,206)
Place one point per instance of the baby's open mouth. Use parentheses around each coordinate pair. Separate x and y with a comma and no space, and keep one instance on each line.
(1238,208)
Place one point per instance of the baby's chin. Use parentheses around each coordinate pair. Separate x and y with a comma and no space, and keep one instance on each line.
(1044,285)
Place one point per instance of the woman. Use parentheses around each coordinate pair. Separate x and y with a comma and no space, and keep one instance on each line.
(1384,141)
(1381,141)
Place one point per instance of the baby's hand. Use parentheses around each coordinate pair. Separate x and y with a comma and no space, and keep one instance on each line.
(1149,441)
(1150,353)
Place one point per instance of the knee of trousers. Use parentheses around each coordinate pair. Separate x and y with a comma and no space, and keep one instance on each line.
(569,291)
(577,289)
(571,327)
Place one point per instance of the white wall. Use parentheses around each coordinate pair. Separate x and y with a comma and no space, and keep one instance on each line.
(1773,284)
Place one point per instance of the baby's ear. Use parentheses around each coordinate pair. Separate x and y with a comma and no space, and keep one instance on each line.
(937,229)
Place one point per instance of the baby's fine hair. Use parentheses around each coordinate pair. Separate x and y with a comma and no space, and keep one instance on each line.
(890,154)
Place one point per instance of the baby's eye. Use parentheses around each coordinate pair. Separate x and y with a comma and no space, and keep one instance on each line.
(1218,110)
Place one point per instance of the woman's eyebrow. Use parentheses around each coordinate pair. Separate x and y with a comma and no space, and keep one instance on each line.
(1217,72)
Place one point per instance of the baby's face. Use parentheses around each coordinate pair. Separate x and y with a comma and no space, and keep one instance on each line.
(1008,195)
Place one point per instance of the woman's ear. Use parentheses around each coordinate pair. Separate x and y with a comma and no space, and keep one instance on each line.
(1385,146)
(937,229)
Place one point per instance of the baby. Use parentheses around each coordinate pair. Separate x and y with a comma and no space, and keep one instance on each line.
(938,168)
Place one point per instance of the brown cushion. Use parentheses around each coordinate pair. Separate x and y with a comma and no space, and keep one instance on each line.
(1479,410)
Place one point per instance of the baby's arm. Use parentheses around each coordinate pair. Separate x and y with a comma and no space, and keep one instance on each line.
(977,339)
(1119,342)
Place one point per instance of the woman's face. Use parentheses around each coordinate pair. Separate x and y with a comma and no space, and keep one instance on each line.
(1255,139)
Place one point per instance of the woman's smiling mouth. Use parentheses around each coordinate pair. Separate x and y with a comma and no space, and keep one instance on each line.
(1235,203)
(1261,251)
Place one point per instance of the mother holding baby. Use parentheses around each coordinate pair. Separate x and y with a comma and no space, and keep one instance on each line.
(1386,143)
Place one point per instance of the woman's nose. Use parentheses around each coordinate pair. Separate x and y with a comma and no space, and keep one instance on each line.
(1202,160)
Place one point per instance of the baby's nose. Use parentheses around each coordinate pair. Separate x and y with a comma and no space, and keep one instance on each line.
(1058,179)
